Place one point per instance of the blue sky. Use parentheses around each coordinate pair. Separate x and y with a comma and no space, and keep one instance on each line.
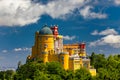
(95,22)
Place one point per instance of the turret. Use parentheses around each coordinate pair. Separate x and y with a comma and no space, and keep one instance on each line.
(64,60)
(45,54)
(82,47)
(43,37)
(55,31)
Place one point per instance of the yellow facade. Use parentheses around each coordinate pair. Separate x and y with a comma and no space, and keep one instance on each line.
(46,40)
(74,64)
(49,47)
(82,53)
(64,60)
(45,57)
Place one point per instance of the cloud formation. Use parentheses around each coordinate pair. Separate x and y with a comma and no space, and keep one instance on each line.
(19,12)
(105,32)
(117,2)
(21,49)
(69,37)
(111,38)
(4,51)
(23,12)
(86,12)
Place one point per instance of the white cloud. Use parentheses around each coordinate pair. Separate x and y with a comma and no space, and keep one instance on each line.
(117,2)
(4,51)
(59,8)
(18,49)
(26,49)
(69,37)
(23,12)
(22,49)
(105,32)
(111,38)
(95,32)
(88,14)
(19,12)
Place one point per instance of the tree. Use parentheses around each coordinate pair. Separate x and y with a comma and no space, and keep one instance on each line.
(70,75)
(26,71)
(55,77)
(19,64)
(92,58)
(98,60)
(103,74)
(54,68)
(9,74)
(83,74)
(38,75)
(2,75)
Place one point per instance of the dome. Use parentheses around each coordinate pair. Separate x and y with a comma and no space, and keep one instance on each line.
(45,31)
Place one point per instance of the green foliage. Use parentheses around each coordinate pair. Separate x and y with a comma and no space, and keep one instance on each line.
(38,75)
(70,75)
(2,75)
(98,60)
(54,68)
(83,74)
(103,74)
(7,75)
(26,71)
(108,68)
(54,77)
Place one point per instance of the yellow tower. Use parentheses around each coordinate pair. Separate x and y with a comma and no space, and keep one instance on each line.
(44,38)
(64,60)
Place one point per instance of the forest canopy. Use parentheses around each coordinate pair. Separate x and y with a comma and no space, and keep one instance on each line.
(108,68)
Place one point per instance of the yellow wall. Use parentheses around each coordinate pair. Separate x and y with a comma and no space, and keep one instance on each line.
(53,57)
(82,53)
(45,57)
(40,42)
(72,46)
(76,64)
(64,60)
(46,40)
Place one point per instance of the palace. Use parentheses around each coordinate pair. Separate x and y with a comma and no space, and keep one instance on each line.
(49,47)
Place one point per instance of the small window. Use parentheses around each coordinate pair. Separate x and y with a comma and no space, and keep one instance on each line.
(62,58)
(45,45)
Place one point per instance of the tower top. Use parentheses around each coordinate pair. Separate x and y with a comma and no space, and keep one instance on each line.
(45,30)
